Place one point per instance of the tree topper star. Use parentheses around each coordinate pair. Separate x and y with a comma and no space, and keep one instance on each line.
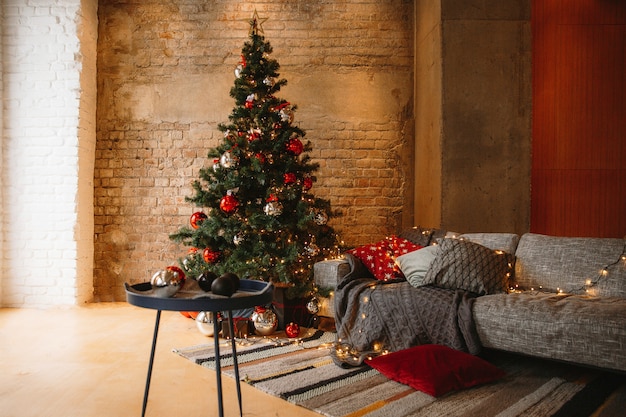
(256,24)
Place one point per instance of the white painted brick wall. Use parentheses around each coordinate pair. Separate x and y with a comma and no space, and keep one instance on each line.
(1,147)
(43,196)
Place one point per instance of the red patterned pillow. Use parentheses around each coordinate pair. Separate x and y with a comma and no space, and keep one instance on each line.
(380,257)
(402,246)
(435,369)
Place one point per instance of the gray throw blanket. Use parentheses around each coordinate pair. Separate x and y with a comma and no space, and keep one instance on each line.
(372,315)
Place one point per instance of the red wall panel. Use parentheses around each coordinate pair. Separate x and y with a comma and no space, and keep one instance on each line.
(579,119)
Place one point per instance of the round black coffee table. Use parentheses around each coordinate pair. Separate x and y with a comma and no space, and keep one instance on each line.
(250,294)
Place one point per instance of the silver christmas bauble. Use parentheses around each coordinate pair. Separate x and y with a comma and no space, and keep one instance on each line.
(321,218)
(226,160)
(286,115)
(204,322)
(312,249)
(313,306)
(166,283)
(238,70)
(265,321)
(273,208)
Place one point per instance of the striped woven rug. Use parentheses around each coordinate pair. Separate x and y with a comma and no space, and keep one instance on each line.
(302,373)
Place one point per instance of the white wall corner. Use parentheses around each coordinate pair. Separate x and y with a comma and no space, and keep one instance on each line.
(1,148)
(48,150)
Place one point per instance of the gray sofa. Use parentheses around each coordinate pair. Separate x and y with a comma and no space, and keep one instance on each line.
(567,299)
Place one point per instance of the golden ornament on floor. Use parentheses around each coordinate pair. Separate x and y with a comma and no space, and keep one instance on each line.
(264,320)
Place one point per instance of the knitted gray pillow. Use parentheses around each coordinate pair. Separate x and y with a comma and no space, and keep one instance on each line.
(468,266)
(418,235)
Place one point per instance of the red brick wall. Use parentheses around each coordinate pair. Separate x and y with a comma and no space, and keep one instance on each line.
(164,72)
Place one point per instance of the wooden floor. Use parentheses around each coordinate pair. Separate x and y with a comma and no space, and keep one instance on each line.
(92,361)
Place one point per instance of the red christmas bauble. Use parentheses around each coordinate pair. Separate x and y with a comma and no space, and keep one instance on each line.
(295,146)
(292,330)
(282,106)
(307,183)
(181,274)
(260,157)
(197,218)
(290,178)
(210,256)
(254,135)
(229,203)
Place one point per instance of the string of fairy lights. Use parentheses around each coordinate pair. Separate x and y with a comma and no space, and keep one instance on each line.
(347,353)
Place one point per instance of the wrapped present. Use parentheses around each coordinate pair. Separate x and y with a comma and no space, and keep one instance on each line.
(328,273)
(243,327)
(290,309)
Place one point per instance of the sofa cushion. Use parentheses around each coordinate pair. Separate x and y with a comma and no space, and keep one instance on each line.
(435,369)
(506,242)
(418,235)
(414,265)
(468,266)
(379,257)
(569,263)
(575,328)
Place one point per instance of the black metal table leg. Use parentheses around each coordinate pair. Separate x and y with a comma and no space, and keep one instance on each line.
(149,377)
(235,363)
(251,293)
(218,365)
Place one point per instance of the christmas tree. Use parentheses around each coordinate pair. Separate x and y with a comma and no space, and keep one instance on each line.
(257,216)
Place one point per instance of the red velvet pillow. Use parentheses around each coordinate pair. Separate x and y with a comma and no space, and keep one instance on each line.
(435,369)
(380,257)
